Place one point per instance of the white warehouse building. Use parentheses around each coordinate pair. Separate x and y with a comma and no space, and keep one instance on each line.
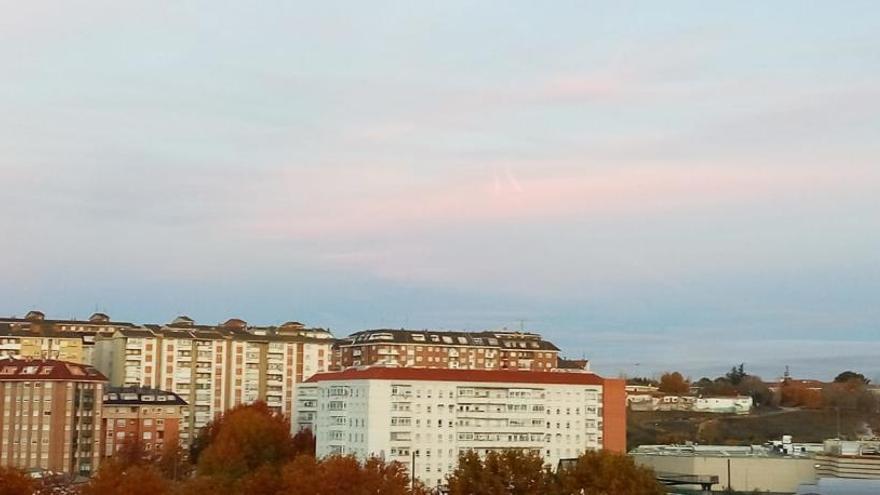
(429,416)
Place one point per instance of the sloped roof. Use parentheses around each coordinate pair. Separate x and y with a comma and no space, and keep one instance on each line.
(47,369)
(459,375)
(141,395)
(499,339)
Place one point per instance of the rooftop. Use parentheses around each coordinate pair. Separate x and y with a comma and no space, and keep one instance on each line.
(47,369)
(499,339)
(140,395)
(459,375)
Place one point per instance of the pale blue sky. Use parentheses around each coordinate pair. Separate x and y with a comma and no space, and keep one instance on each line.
(683,185)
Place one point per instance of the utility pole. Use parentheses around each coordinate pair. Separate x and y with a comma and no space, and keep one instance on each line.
(729,483)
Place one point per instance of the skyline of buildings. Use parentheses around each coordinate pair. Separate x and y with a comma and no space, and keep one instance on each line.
(483,390)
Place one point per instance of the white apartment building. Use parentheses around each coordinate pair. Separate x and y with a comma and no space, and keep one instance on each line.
(430,416)
(214,368)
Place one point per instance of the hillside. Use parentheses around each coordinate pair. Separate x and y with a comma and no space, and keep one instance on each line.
(770,424)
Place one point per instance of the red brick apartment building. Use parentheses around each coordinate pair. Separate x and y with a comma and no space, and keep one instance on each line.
(488,350)
(138,414)
(50,415)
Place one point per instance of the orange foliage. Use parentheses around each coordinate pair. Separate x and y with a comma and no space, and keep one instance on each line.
(602,473)
(116,479)
(344,475)
(794,394)
(15,482)
(244,439)
(674,383)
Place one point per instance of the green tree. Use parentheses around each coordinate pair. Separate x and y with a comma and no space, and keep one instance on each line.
(851,377)
(736,374)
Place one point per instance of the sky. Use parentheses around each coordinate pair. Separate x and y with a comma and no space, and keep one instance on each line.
(651,185)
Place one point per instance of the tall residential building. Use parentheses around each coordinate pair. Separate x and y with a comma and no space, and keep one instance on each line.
(36,337)
(50,415)
(430,416)
(434,349)
(146,415)
(214,368)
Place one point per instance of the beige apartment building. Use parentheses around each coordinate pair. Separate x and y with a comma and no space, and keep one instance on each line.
(213,368)
(35,337)
(489,350)
(50,415)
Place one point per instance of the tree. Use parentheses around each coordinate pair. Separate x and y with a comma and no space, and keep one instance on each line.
(511,472)
(304,442)
(851,377)
(721,386)
(606,473)
(736,374)
(204,485)
(795,394)
(244,439)
(301,476)
(674,383)
(850,392)
(345,475)
(115,478)
(15,482)
(385,478)
(754,387)
(173,461)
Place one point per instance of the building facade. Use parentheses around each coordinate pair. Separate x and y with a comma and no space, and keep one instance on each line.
(428,417)
(455,350)
(35,337)
(214,368)
(137,414)
(50,415)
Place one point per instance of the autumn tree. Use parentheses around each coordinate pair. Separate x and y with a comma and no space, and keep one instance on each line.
(510,472)
(173,460)
(15,482)
(304,442)
(118,479)
(244,439)
(849,391)
(347,476)
(795,394)
(606,473)
(674,383)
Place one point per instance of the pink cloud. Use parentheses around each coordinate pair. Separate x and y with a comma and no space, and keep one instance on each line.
(620,191)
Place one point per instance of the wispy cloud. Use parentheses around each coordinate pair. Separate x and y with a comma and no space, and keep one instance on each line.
(607,192)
